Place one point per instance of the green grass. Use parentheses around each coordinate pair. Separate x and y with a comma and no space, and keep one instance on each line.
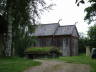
(80,59)
(38,49)
(16,64)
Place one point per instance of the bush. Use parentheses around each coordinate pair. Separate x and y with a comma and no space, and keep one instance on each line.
(42,52)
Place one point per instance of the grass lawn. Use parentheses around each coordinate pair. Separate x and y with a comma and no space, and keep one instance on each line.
(16,64)
(80,59)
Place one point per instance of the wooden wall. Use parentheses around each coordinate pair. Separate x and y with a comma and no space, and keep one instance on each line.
(74,46)
(68,45)
(43,41)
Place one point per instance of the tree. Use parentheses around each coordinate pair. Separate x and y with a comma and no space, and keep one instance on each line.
(83,42)
(21,16)
(79,1)
(91,18)
(90,11)
(92,36)
(3,33)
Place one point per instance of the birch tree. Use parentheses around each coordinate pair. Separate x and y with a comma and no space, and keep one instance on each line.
(21,15)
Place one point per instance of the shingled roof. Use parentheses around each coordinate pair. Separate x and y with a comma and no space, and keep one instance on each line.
(45,29)
(65,30)
(53,29)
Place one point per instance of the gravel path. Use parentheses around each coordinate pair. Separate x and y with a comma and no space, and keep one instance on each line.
(59,66)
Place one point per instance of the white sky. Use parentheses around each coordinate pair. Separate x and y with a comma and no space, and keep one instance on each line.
(68,11)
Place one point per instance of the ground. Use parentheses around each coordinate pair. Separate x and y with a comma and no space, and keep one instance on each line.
(59,66)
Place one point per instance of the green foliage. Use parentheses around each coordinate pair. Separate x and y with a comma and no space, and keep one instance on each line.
(82,45)
(45,49)
(22,44)
(92,32)
(83,42)
(92,35)
(22,15)
(42,50)
(16,64)
(91,12)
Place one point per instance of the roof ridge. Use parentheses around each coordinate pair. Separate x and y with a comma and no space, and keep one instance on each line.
(67,25)
(72,30)
(49,24)
(76,30)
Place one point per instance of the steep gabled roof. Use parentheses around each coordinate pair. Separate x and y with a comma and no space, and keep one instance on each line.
(65,30)
(54,29)
(45,29)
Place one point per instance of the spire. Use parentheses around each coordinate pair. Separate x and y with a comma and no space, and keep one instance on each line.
(59,20)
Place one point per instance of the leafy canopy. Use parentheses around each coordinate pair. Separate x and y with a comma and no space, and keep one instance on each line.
(90,10)
(22,15)
(92,35)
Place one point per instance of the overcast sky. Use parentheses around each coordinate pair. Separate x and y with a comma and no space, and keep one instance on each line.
(68,11)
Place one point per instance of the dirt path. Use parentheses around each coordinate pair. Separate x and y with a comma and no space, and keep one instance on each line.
(59,66)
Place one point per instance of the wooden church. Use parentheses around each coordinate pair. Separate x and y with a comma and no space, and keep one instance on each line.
(63,37)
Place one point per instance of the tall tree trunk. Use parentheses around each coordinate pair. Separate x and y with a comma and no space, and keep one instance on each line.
(9,41)
(9,36)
